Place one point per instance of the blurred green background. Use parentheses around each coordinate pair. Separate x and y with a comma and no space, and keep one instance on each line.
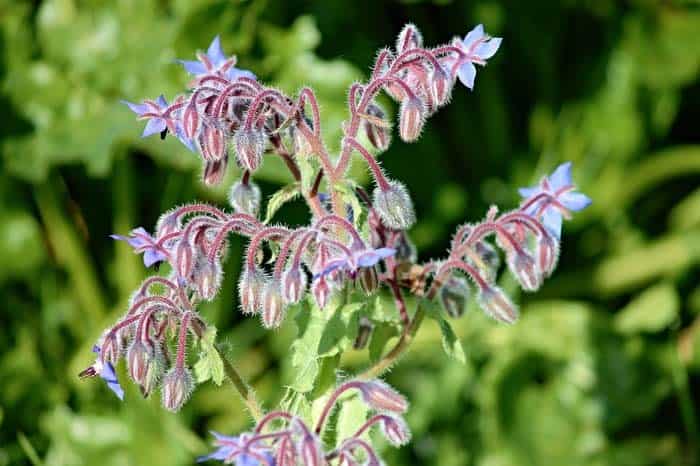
(602,369)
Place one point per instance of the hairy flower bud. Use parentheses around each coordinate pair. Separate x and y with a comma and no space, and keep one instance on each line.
(214,171)
(409,38)
(273,307)
(212,142)
(178,385)
(184,260)
(395,430)
(454,295)
(497,305)
(411,118)
(380,396)
(405,249)
(368,280)
(245,198)
(364,331)
(145,364)
(250,145)
(294,283)
(207,277)
(321,290)
(250,289)
(441,86)
(525,270)
(310,450)
(394,206)
(489,258)
(377,128)
(547,253)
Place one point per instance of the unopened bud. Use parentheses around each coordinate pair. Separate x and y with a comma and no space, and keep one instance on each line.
(207,276)
(405,249)
(214,171)
(322,291)
(454,295)
(489,256)
(250,146)
(377,128)
(144,360)
(273,307)
(394,206)
(441,86)
(112,345)
(411,119)
(497,305)
(368,279)
(310,450)
(250,289)
(294,283)
(525,270)
(380,396)
(547,254)
(395,430)
(190,121)
(212,142)
(183,257)
(178,385)
(409,38)
(245,198)
(364,331)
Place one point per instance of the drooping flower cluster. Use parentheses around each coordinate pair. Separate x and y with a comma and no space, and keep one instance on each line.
(283,439)
(353,239)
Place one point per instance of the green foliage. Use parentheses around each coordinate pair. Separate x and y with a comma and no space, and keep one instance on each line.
(602,368)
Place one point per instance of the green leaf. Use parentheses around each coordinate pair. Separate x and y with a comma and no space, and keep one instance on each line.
(353,413)
(450,342)
(209,365)
(281,197)
(651,311)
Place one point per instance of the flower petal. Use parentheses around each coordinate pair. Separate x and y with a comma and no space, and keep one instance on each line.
(529,192)
(154,126)
(488,49)
(133,241)
(561,176)
(575,201)
(215,53)
(138,109)
(474,35)
(193,67)
(152,256)
(110,376)
(466,74)
(552,220)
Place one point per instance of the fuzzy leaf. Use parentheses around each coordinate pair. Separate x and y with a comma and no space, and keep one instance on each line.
(281,197)
(209,365)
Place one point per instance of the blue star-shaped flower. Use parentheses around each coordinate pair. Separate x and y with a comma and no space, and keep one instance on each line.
(143,242)
(231,448)
(479,47)
(156,112)
(358,259)
(215,62)
(105,370)
(554,198)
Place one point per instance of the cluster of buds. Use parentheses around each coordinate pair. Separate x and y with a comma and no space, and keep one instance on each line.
(227,111)
(282,439)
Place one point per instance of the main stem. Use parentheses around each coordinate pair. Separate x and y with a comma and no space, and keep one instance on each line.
(243,389)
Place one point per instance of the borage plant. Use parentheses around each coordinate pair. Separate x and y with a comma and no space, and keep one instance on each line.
(354,245)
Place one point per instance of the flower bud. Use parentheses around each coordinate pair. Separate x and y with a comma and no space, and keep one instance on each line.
(376,128)
(368,280)
(321,290)
(364,331)
(212,143)
(250,289)
(441,86)
(525,270)
(245,198)
(144,360)
(454,295)
(273,307)
(394,206)
(380,396)
(250,145)
(497,305)
(547,253)
(214,171)
(310,450)
(489,257)
(112,345)
(409,38)
(294,283)
(190,121)
(185,262)
(395,430)
(405,249)
(178,385)
(207,277)
(411,119)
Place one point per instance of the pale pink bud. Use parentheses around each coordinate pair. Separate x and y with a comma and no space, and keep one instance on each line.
(409,38)
(525,270)
(212,143)
(190,121)
(214,171)
(245,198)
(144,360)
(441,86)
(380,396)
(178,385)
(395,430)
(207,276)
(250,146)
(294,283)
(322,291)
(250,289)
(411,119)
(183,257)
(497,305)
(394,206)
(376,127)
(273,307)
(547,252)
